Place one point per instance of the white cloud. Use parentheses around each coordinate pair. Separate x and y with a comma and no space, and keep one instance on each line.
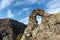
(24,10)
(53,11)
(9,14)
(29,2)
(25,20)
(17,3)
(40,2)
(53,6)
(25,2)
(5,3)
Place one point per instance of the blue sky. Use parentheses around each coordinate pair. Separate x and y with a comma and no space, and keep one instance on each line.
(21,9)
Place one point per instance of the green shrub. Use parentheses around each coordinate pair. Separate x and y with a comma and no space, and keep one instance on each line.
(18,36)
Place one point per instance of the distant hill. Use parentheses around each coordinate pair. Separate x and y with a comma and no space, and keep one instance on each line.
(7,25)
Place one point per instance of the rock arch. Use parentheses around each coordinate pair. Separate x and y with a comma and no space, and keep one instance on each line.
(32,22)
(32,17)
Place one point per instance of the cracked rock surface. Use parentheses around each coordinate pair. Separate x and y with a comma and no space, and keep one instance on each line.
(48,29)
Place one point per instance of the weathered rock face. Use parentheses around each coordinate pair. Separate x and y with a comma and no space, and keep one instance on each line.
(10,28)
(48,29)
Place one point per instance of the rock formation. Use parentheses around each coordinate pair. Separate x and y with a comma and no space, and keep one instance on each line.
(48,29)
(10,28)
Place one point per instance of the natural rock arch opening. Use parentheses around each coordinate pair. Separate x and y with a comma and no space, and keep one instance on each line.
(38,19)
(34,19)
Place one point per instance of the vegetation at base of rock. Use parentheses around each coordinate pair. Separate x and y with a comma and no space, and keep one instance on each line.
(18,36)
